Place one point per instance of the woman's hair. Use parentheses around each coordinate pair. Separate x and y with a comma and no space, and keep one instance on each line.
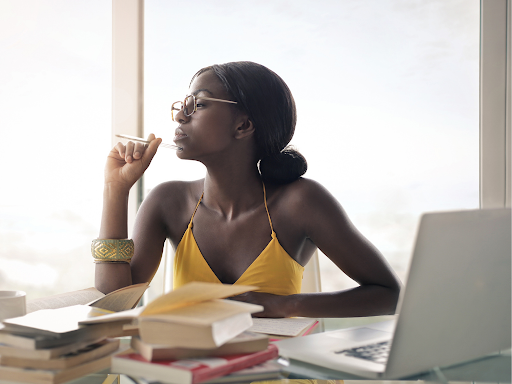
(268,102)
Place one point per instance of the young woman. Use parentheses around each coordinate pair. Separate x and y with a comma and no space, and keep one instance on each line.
(253,219)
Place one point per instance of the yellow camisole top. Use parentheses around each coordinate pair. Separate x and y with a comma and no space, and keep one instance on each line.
(273,271)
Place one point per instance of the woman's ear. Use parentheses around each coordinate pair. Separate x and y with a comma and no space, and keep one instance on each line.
(245,129)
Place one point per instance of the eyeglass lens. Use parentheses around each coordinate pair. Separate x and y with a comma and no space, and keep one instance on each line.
(189,106)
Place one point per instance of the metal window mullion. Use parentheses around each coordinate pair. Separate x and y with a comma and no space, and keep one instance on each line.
(494,108)
(508,137)
(128,81)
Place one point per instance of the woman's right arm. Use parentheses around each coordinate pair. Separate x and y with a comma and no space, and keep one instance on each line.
(125,165)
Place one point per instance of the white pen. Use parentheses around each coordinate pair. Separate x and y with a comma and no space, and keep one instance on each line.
(134,138)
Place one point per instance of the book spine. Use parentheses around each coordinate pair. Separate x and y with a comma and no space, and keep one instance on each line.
(236,364)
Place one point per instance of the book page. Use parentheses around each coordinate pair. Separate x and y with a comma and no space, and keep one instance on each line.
(67,299)
(105,317)
(205,313)
(51,321)
(283,327)
(194,292)
(122,299)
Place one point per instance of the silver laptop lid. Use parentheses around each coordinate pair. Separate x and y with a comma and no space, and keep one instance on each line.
(457,301)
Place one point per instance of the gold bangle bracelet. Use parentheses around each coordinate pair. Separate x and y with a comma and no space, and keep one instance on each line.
(109,250)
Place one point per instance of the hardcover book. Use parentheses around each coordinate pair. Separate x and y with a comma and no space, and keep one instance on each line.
(246,342)
(83,355)
(30,337)
(43,353)
(39,376)
(188,371)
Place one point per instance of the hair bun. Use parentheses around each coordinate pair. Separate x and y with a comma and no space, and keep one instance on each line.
(284,167)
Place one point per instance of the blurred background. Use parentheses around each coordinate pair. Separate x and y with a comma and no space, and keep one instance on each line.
(386,93)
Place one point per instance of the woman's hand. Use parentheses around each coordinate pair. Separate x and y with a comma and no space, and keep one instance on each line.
(275,305)
(126,163)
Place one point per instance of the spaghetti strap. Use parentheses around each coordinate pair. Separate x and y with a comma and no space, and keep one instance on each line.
(266,208)
(197,206)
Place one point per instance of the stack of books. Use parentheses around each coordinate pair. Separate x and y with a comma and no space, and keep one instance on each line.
(192,335)
(143,362)
(49,346)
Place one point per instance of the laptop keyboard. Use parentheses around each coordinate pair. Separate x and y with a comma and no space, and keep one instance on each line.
(377,352)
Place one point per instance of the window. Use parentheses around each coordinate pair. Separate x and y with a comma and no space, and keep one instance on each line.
(55,126)
(386,92)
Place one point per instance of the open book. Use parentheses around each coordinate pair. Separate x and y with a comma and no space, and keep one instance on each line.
(192,316)
(120,300)
(283,328)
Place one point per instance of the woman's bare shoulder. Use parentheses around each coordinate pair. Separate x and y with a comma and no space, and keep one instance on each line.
(175,196)
(306,202)
(177,189)
(301,192)
(169,205)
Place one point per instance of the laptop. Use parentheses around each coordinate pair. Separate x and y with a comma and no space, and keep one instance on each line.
(456,305)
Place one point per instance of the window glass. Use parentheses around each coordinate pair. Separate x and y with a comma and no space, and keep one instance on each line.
(55,119)
(386,92)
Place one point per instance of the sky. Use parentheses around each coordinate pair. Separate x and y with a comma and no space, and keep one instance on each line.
(386,92)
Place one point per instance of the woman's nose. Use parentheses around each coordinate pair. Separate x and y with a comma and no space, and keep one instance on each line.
(180,117)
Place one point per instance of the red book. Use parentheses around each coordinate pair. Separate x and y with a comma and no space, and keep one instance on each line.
(188,371)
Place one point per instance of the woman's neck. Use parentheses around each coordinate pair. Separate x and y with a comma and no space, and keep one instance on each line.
(232,191)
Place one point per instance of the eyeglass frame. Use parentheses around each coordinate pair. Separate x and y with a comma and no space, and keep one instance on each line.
(173,108)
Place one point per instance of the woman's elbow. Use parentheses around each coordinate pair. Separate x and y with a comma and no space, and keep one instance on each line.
(393,295)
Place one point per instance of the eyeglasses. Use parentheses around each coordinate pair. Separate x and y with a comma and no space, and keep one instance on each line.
(189,106)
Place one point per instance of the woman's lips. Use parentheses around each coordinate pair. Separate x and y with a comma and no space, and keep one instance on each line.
(179,135)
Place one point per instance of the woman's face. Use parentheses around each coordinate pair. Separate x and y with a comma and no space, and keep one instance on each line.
(211,129)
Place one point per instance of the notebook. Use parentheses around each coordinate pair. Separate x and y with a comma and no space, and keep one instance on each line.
(456,305)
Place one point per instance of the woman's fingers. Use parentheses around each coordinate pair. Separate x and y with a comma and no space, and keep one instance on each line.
(127,163)
(128,154)
(150,150)
(138,150)
(132,151)
(121,149)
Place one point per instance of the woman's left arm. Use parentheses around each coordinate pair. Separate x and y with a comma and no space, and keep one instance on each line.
(326,224)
